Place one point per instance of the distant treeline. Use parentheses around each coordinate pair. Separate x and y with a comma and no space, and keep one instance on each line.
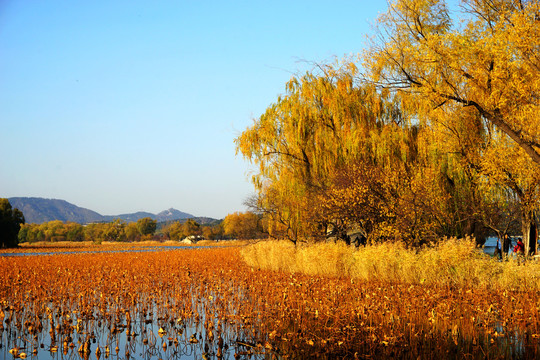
(237,225)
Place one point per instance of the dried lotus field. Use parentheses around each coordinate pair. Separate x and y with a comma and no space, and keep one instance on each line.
(206,303)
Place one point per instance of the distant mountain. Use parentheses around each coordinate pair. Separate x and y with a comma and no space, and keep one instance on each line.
(172,214)
(131,217)
(39,210)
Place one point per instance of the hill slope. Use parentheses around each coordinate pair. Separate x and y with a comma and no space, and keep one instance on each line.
(40,210)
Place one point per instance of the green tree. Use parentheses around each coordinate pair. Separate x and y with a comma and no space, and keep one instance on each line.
(24,233)
(132,232)
(10,224)
(173,230)
(94,232)
(115,231)
(55,231)
(146,226)
(75,232)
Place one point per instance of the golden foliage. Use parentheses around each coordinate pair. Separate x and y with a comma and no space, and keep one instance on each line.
(398,204)
(243,225)
(445,115)
(485,60)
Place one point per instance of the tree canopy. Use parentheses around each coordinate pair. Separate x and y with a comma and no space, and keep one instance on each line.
(247,225)
(436,137)
(484,56)
(10,224)
(474,70)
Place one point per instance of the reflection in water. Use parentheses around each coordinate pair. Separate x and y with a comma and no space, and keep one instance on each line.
(139,339)
(100,308)
(149,331)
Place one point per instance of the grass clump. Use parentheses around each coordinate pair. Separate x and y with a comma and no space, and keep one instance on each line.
(451,262)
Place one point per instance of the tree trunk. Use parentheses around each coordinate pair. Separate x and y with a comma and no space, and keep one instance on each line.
(533,237)
(474,228)
(529,232)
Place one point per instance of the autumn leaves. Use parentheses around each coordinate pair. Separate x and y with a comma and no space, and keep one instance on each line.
(435,137)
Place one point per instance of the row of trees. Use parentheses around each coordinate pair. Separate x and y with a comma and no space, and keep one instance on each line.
(178,230)
(238,225)
(118,230)
(436,137)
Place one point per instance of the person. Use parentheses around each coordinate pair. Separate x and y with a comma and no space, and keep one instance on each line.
(519,250)
(506,246)
(520,247)
(498,252)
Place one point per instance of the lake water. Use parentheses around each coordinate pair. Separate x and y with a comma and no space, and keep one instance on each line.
(147,338)
(489,248)
(491,242)
(154,330)
(146,249)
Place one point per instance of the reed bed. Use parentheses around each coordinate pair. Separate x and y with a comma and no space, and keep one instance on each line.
(208,303)
(451,263)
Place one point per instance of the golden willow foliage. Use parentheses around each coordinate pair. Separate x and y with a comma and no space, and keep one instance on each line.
(487,60)
(321,126)
(311,129)
(472,74)
(446,116)
(303,137)
(510,171)
(457,143)
(247,225)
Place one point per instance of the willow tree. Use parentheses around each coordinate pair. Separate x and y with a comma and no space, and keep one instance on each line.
(314,145)
(457,140)
(301,139)
(481,59)
(479,168)
(484,57)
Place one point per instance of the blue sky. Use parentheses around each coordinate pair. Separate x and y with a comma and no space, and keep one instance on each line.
(123,106)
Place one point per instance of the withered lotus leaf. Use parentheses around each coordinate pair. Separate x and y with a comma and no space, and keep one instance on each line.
(211,301)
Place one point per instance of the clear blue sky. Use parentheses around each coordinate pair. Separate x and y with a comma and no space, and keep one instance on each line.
(123,106)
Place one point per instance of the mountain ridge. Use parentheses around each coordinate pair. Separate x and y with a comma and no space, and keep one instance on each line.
(39,210)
